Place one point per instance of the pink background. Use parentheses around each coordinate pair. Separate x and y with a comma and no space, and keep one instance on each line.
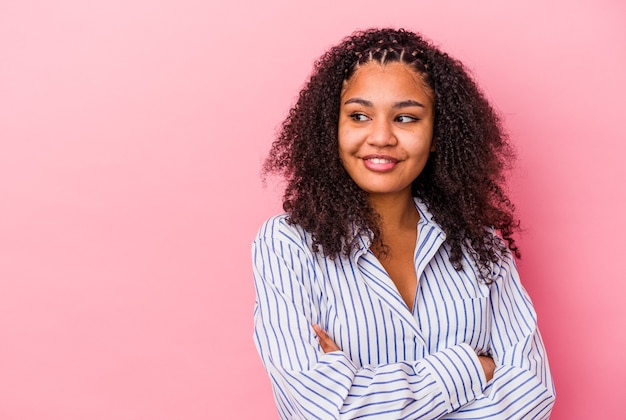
(132,134)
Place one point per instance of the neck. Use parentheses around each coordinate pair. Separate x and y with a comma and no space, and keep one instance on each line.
(396,212)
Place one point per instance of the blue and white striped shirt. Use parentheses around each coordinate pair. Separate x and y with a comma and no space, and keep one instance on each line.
(394,364)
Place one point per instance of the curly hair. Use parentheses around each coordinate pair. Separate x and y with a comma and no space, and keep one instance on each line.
(462,183)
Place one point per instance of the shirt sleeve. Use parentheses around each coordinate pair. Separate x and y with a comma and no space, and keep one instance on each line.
(522,386)
(309,384)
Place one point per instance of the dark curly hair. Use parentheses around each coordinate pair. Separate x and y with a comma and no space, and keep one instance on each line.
(462,183)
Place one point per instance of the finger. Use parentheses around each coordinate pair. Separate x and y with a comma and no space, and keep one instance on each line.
(319,331)
(325,341)
(322,337)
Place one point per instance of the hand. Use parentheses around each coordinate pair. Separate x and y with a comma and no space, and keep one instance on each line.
(489,366)
(326,342)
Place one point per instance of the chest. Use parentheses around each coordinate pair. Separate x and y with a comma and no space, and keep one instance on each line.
(366,315)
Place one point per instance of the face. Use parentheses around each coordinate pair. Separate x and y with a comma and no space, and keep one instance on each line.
(385,127)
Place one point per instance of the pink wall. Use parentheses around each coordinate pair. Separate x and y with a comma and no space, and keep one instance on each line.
(132,133)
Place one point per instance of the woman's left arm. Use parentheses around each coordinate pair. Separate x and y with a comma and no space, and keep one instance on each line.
(522,386)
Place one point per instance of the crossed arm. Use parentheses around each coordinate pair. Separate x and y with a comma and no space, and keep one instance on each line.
(328,345)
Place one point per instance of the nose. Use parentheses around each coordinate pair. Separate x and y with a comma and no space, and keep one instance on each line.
(381,134)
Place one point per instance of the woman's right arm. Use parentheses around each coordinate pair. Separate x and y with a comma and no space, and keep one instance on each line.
(309,383)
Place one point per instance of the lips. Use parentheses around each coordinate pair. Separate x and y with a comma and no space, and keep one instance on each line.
(380,163)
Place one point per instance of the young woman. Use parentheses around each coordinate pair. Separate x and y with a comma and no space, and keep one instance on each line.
(388,289)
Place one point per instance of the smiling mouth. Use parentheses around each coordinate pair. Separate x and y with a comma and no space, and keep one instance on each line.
(380,160)
(380,163)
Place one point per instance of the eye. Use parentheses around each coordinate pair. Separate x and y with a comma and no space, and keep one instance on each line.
(406,119)
(359,117)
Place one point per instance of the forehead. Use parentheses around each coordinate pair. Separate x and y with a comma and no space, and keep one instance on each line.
(393,79)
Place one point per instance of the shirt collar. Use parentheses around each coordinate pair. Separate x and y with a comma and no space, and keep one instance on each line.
(426,220)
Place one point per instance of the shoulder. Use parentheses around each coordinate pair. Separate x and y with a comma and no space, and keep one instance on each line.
(280,229)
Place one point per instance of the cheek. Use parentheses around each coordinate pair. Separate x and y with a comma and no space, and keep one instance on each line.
(426,142)
(344,157)
(345,145)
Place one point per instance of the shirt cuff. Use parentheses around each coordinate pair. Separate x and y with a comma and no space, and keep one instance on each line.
(458,372)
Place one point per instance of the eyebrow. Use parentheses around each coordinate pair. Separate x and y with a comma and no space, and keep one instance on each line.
(401,104)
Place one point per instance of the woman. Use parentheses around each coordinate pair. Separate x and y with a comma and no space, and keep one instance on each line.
(389,288)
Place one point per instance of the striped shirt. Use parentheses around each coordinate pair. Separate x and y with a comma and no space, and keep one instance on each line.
(394,363)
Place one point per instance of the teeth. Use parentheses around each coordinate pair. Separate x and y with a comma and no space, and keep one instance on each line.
(378,160)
